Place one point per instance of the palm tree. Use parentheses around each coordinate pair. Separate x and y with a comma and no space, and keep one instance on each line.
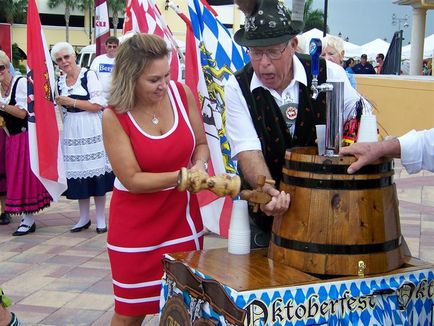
(70,5)
(13,11)
(313,18)
(116,6)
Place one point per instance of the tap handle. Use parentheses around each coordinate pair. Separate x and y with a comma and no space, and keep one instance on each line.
(315,48)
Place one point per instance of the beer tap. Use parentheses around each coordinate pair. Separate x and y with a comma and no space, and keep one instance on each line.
(334,101)
(315,48)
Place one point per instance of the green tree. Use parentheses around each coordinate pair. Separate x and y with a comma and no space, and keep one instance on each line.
(313,18)
(13,11)
(116,6)
(70,5)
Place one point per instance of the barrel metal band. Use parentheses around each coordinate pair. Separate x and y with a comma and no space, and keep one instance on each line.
(324,168)
(333,249)
(350,184)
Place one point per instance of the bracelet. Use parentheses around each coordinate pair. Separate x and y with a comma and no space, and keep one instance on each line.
(75,102)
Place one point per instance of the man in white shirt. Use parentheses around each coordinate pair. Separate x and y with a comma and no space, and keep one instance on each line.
(103,64)
(269,104)
(416,149)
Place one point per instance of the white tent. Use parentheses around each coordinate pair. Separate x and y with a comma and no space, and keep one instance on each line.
(428,48)
(371,49)
(351,49)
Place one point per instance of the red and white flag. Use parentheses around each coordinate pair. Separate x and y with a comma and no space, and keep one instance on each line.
(46,158)
(143,16)
(102,25)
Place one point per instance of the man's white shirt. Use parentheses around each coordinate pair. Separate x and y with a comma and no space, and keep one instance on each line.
(103,66)
(239,125)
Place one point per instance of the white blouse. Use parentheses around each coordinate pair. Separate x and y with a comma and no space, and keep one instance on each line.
(20,94)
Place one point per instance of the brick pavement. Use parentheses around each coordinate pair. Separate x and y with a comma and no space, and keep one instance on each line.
(58,278)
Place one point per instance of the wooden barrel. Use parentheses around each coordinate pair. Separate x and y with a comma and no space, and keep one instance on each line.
(335,220)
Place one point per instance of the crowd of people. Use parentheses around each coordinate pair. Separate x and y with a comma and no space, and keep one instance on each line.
(129,129)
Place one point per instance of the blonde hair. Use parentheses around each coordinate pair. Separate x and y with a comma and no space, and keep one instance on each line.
(5,59)
(133,56)
(59,47)
(335,42)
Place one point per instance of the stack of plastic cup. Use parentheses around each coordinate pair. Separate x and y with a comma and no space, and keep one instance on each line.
(368,129)
(239,229)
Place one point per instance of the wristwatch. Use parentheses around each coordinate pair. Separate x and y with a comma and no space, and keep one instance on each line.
(2,107)
(205,164)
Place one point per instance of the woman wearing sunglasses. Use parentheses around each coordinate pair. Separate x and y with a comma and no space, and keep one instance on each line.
(25,193)
(88,171)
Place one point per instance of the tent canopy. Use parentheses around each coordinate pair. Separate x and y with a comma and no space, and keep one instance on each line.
(371,49)
(428,48)
(351,49)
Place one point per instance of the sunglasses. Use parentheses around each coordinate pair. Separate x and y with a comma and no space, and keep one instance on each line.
(111,46)
(66,57)
(2,68)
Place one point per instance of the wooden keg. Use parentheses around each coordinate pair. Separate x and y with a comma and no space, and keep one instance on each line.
(337,220)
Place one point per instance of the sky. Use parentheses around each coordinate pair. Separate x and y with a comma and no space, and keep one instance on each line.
(363,21)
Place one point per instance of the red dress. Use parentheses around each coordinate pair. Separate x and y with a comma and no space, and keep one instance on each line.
(143,227)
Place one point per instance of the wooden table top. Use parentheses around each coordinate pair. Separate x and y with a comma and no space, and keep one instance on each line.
(256,271)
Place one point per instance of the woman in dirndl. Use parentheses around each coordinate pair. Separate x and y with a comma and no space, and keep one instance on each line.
(25,193)
(88,171)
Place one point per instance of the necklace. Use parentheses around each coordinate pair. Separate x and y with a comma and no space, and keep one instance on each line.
(6,90)
(155,120)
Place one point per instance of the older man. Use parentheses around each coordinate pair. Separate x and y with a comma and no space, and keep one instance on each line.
(269,104)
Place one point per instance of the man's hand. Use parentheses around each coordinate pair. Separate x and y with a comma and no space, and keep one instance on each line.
(279,202)
(366,153)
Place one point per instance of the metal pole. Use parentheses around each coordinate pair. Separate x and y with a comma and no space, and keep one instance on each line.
(325,17)
(335,107)
(90,24)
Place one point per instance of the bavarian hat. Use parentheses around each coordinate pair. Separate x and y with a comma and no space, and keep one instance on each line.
(269,24)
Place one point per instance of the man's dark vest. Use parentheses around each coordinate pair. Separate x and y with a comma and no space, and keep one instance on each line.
(270,124)
(13,124)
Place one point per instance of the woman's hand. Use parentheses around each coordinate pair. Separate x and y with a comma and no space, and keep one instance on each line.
(65,101)
(200,165)
(197,178)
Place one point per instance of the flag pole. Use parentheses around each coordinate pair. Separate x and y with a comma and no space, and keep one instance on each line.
(326,5)
(102,27)
(176,8)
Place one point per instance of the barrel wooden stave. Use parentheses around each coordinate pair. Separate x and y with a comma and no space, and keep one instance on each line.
(338,217)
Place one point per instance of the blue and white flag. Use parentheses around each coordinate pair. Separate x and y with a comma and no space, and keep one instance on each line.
(218,57)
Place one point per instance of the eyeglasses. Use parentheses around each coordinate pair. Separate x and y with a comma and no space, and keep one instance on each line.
(272,54)
(2,68)
(109,46)
(66,57)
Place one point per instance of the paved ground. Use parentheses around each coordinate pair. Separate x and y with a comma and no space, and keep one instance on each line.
(58,278)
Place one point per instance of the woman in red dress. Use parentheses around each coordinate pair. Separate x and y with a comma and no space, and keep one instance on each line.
(151,131)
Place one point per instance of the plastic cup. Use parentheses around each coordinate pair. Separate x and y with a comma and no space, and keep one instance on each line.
(239,229)
(239,242)
(320,138)
(240,216)
(368,129)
